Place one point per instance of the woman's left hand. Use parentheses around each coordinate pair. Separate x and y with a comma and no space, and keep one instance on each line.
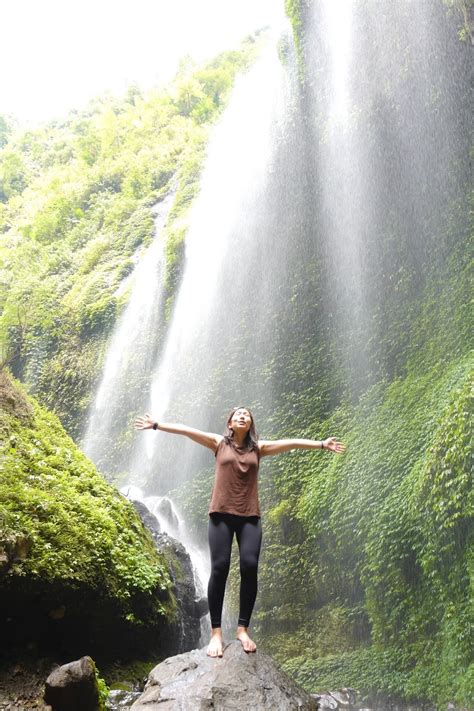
(145,422)
(332,444)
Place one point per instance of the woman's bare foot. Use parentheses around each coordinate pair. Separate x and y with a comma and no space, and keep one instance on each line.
(247,643)
(215,645)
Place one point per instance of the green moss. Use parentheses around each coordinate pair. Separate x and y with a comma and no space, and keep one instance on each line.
(103,690)
(387,534)
(63,527)
(126,675)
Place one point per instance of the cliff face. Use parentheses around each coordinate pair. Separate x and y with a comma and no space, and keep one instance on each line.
(78,571)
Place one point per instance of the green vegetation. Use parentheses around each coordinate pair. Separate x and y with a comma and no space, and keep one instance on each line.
(383,539)
(367,571)
(68,536)
(103,691)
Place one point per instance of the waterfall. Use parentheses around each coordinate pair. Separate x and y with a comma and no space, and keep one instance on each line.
(132,347)
(342,176)
(377,129)
(223,232)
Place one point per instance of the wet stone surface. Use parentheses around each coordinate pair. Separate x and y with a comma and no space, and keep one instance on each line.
(120,700)
(194,682)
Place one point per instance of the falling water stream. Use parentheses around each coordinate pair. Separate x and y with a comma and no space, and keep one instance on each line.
(131,350)
(223,220)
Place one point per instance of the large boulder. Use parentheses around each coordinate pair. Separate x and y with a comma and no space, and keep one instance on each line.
(194,682)
(73,687)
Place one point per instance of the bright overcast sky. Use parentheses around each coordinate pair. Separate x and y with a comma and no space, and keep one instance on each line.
(55,55)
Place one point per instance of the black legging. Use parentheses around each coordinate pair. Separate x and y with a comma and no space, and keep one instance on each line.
(248,530)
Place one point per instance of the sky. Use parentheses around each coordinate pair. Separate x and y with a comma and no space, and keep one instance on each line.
(56,55)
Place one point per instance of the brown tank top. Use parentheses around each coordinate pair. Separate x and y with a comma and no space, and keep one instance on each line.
(235,485)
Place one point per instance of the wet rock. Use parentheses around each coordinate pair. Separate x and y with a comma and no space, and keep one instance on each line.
(165,509)
(149,520)
(4,560)
(190,610)
(342,699)
(21,548)
(202,607)
(73,687)
(325,701)
(188,629)
(120,700)
(194,682)
(347,699)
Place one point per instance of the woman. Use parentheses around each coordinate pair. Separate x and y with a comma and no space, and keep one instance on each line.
(234,508)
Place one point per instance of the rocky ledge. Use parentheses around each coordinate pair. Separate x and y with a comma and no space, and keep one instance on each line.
(194,682)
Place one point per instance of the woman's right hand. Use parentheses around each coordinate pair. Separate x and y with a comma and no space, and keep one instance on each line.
(144,422)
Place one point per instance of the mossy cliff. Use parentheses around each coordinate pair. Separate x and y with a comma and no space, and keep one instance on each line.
(78,571)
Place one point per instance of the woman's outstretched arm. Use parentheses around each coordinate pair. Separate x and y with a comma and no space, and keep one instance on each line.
(207,439)
(277,446)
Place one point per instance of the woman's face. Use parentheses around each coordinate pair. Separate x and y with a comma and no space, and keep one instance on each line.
(241,420)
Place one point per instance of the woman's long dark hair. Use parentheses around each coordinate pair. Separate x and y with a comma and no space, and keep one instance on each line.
(251,440)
